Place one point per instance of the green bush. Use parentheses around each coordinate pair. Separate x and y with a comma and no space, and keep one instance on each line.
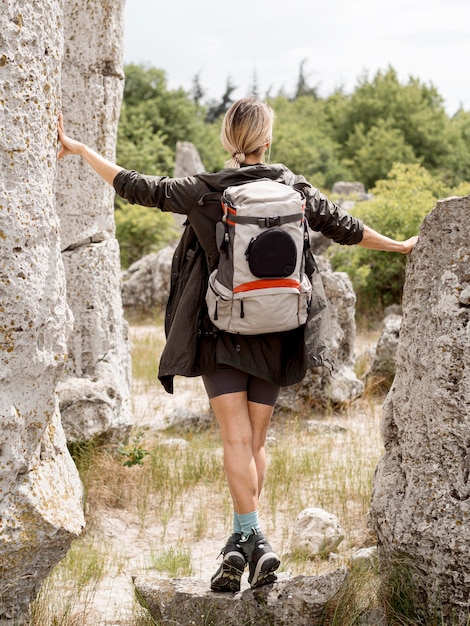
(141,230)
(399,205)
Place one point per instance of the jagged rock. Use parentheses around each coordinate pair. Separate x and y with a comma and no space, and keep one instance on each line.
(300,601)
(383,364)
(344,386)
(187,160)
(40,491)
(91,409)
(146,284)
(345,189)
(319,386)
(316,533)
(420,505)
(92,83)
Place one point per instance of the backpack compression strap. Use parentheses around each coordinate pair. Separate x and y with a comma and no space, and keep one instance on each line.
(264,222)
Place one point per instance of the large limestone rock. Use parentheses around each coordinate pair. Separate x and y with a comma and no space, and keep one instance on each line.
(95,394)
(146,283)
(40,492)
(300,601)
(187,160)
(318,386)
(382,369)
(421,498)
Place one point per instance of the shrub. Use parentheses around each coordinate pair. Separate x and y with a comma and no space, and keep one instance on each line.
(399,205)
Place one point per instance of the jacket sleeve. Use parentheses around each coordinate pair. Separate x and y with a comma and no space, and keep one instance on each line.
(177,195)
(329,219)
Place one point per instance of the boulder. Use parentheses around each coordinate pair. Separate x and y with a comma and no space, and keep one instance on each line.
(146,284)
(319,386)
(382,368)
(421,496)
(350,190)
(187,160)
(99,352)
(316,533)
(300,601)
(40,491)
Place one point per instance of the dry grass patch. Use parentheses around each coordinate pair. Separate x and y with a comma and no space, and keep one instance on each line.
(154,504)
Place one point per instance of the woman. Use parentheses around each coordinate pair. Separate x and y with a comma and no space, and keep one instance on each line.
(242,374)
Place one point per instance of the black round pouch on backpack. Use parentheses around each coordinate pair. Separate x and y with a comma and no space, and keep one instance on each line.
(272,254)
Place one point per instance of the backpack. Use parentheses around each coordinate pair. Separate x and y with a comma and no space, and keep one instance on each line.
(260,285)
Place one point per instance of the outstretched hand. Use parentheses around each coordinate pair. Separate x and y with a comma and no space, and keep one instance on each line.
(409,244)
(69,146)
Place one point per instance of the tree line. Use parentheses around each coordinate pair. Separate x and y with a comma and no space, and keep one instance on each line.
(393,136)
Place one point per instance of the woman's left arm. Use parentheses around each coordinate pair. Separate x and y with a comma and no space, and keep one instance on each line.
(375,241)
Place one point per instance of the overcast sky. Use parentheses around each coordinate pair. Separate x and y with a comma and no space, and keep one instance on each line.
(339,39)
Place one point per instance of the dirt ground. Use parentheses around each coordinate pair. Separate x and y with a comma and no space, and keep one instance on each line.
(122,532)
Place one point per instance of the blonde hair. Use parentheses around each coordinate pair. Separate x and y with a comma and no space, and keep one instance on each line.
(246,128)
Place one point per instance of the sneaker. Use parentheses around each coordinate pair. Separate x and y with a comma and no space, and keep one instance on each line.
(262,561)
(227,577)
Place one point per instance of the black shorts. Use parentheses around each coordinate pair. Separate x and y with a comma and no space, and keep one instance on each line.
(227,379)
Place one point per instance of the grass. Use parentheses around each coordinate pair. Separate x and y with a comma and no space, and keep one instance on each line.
(149,500)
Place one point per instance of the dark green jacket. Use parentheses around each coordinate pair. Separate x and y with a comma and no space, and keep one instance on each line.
(192,347)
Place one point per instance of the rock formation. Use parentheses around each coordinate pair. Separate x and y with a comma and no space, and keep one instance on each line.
(316,532)
(95,395)
(421,498)
(145,284)
(318,386)
(40,492)
(187,160)
(382,368)
(300,601)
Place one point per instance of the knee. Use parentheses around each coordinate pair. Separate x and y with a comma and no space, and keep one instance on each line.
(238,440)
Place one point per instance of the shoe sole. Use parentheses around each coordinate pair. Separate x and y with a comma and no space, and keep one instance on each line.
(231,571)
(264,571)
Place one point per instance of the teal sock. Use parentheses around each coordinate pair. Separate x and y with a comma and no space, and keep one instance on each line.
(248,522)
(236,524)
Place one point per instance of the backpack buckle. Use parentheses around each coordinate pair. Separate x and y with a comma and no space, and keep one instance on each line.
(269,222)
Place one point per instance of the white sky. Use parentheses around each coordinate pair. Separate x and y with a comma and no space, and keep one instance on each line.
(340,40)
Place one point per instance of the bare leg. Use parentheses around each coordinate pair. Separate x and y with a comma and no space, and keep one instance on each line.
(260,416)
(243,427)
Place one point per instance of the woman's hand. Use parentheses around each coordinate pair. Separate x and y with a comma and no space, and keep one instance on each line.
(69,146)
(104,168)
(409,244)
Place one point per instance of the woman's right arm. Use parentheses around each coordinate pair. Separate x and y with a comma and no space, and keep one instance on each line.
(104,168)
